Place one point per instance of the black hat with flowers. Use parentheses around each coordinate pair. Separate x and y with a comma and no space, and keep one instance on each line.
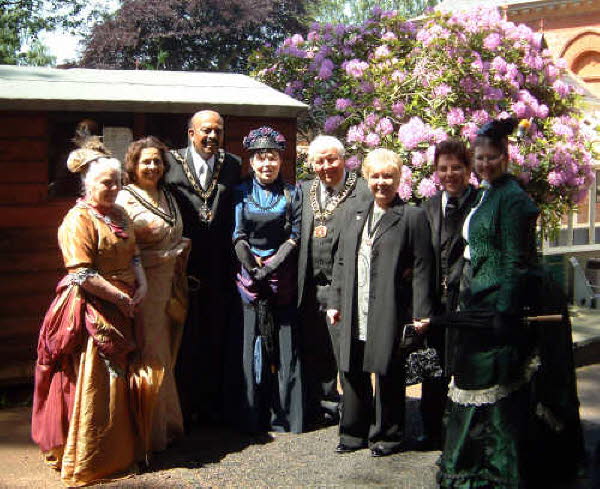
(264,138)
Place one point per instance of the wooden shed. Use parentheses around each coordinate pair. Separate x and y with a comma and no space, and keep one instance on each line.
(39,110)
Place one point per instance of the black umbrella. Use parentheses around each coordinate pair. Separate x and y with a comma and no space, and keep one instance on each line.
(483,319)
(268,331)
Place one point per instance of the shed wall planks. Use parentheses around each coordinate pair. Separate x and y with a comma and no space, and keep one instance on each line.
(30,261)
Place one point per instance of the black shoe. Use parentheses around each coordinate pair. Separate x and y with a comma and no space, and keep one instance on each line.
(343,448)
(426,443)
(321,421)
(330,419)
(381,451)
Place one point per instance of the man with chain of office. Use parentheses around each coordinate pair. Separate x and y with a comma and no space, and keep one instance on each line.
(325,196)
(202,177)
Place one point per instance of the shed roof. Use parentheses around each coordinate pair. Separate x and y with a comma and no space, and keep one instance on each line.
(26,88)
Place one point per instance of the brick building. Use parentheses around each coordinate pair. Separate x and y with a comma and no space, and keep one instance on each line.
(571,29)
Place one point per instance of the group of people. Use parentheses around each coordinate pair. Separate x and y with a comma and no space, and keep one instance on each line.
(193,296)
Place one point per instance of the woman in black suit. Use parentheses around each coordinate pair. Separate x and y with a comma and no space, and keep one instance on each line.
(446,212)
(382,279)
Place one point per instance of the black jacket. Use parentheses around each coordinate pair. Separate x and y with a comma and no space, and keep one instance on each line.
(211,256)
(360,190)
(456,246)
(401,280)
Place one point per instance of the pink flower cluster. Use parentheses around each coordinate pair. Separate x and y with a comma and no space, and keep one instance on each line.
(355,67)
(391,83)
(342,104)
(415,132)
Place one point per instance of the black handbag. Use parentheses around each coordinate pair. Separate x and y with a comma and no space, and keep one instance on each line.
(422,362)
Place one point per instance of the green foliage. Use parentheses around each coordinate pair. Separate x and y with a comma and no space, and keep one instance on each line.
(357,11)
(22,21)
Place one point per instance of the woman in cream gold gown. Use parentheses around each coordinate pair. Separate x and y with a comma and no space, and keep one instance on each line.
(158,229)
(82,418)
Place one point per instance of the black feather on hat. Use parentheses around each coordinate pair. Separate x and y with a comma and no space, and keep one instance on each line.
(498,129)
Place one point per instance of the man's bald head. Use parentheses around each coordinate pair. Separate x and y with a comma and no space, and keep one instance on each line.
(205,130)
(202,114)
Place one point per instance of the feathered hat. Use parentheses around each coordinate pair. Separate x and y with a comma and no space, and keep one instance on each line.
(91,148)
(264,138)
(498,129)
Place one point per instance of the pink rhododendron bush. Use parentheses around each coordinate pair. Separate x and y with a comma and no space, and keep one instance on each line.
(393,83)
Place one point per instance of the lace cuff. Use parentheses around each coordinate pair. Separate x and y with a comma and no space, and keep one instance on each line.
(81,275)
(491,395)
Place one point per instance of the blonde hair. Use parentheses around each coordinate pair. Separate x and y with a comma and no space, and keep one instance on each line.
(381,155)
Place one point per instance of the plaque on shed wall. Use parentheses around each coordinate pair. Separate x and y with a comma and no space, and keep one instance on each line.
(117,139)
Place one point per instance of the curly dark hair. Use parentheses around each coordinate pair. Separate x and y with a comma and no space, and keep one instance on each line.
(452,147)
(132,157)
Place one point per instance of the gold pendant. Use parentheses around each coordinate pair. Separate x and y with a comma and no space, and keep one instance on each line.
(205,213)
(320,231)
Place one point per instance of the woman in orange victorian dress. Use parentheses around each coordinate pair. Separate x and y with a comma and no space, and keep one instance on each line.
(82,417)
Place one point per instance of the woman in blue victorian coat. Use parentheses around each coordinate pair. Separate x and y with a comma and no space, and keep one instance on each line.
(266,236)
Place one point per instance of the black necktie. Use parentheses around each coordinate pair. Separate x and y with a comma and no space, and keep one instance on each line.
(448,231)
(451,217)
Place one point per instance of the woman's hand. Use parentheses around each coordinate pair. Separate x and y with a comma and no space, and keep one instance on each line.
(245,256)
(334,316)
(101,288)
(140,293)
(183,251)
(421,325)
(125,304)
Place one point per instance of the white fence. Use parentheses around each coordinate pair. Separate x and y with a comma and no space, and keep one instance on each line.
(582,246)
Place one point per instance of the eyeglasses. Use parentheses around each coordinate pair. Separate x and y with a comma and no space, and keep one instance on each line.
(488,159)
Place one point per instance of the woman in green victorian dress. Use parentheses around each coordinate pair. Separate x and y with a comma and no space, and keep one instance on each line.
(512,418)
(489,393)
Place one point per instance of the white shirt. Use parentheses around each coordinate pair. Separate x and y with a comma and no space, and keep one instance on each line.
(336,189)
(363,274)
(444,202)
(203,168)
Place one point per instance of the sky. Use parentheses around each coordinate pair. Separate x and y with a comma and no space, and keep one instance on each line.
(65,46)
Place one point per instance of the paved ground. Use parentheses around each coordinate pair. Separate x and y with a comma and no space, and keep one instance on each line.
(213,457)
(218,458)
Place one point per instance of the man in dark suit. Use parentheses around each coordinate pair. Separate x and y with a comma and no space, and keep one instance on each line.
(446,212)
(324,199)
(202,177)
